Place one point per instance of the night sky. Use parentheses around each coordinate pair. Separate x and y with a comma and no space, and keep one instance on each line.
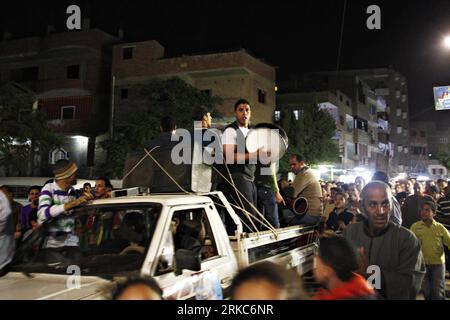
(295,36)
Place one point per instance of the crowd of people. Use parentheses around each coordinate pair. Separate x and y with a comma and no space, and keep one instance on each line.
(395,227)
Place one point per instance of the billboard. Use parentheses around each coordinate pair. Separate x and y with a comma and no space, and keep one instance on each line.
(442,98)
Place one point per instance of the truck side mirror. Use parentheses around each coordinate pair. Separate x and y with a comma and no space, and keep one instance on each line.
(186,259)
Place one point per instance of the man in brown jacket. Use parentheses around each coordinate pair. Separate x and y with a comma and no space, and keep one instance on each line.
(306,185)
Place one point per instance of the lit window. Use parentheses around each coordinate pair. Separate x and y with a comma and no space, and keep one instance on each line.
(399,129)
(405,115)
(400,148)
(261,96)
(296,114)
(399,112)
(277,115)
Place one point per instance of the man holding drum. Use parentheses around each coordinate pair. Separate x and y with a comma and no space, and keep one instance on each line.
(240,164)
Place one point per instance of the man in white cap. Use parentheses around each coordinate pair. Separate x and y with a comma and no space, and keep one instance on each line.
(56,201)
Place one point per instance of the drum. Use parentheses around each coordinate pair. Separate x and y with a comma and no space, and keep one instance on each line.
(269,138)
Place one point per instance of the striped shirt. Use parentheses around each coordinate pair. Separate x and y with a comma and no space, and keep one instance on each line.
(444,206)
(51,207)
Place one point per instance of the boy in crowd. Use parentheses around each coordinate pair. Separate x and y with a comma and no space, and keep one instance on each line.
(340,217)
(30,209)
(433,236)
(337,274)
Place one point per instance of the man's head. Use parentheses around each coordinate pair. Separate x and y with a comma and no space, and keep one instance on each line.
(138,289)
(441,183)
(201,113)
(33,194)
(102,187)
(261,281)
(168,124)
(329,263)
(418,188)
(87,187)
(242,112)
(8,193)
(297,162)
(360,183)
(376,200)
(339,200)
(334,191)
(381,176)
(427,210)
(65,171)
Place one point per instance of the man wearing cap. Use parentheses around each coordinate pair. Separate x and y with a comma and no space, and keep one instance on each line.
(56,201)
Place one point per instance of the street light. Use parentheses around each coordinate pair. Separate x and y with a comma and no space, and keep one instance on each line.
(446,42)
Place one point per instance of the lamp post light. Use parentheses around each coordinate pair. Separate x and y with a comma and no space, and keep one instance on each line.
(446,42)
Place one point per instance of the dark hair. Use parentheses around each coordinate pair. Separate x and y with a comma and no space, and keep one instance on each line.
(239,102)
(199,112)
(381,176)
(298,157)
(430,202)
(146,281)
(6,188)
(108,183)
(34,188)
(433,189)
(265,270)
(168,124)
(331,252)
(441,180)
(336,189)
(342,194)
(86,184)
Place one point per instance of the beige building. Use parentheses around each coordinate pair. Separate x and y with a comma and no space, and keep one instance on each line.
(230,75)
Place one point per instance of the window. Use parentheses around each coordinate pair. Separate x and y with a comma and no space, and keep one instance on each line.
(68,113)
(399,129)
(127,53)
(277,115)
(341,120)
(123,94)
(261,96)
(399,148)
(422,134)
(73,72)
(296,114)
(361,124)
(443,140)
(405,132)
(113,241)
(405,114)
(373,110)
(341,98)
(413,133)
(30,74)
(193,238)
(347,102)
(399,112)
(207,92)
(406,150)
(397,94)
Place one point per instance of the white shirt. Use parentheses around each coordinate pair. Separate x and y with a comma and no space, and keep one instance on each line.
(229,135)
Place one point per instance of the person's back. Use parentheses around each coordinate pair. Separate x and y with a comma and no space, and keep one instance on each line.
(307,186)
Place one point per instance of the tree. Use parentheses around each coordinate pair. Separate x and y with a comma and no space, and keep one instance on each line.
(24,131)
(138,118)
(310,135)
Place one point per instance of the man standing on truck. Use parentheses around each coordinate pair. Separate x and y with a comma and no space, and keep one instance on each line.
(392,252)
(56,201)
(240,163)
(307,186)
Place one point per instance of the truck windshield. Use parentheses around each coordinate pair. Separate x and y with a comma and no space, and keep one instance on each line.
(105,241)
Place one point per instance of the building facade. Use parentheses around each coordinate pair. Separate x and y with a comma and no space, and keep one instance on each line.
(70,74)
(230,75)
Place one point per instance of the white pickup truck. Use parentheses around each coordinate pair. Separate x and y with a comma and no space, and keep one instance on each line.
(134,235)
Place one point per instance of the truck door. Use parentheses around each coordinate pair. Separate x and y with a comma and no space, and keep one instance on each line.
(194,261)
